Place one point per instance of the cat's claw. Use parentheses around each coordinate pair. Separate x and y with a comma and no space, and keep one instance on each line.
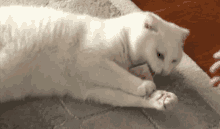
(146,88)
(162,100)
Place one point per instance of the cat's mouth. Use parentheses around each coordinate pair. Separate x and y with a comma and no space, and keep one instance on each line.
(151,70)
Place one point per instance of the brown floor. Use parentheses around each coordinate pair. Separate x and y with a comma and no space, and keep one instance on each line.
(201,17)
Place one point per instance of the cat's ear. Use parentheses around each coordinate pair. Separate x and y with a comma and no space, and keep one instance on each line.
(151,22)
(185,34)
(150,27)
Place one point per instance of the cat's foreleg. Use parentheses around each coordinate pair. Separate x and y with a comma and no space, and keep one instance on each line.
(160,100)
(116,86)
(106,73)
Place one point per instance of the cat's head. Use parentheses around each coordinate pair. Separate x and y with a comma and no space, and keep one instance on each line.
(156,42)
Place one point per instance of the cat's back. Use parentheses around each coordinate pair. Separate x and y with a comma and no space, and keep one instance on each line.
(31,12)
(17,15)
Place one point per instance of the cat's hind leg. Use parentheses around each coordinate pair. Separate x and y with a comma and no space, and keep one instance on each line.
(160,100)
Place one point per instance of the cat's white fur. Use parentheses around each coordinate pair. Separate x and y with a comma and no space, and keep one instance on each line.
(45,51)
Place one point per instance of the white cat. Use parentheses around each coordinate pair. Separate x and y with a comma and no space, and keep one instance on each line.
(45,51)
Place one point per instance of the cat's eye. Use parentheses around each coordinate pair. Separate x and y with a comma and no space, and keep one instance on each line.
(174,61)
(160,55)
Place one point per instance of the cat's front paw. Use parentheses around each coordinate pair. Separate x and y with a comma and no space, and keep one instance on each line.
(162,100)
(146,88)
